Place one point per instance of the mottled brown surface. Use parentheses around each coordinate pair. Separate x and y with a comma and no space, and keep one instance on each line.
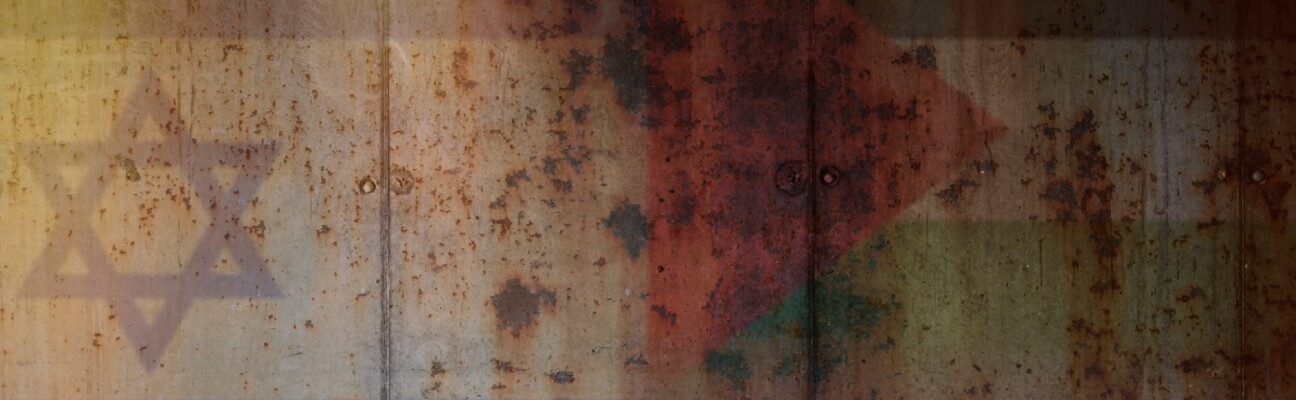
(647,199)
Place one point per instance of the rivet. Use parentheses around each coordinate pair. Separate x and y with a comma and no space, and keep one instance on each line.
(830,175)
(1257,176)
(367,185)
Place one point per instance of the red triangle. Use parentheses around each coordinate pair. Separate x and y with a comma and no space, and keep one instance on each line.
(727,245)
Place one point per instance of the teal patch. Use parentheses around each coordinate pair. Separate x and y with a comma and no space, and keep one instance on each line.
(729,364)
(886,344)
(825,367)
(844,314)
(880,243)
(789,364)
(790,318)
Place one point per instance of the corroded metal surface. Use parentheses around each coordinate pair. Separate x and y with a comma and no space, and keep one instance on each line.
(180,208)
(646,199)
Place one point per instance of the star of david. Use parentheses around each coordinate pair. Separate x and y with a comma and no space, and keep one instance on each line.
(76,203)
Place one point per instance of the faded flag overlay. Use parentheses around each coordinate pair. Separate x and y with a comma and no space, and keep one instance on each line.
(646,199)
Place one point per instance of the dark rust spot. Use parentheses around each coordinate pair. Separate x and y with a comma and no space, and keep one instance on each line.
(505,366)
(954,192)
(1063,195)
(577,65)
(563,377)
(128,166)
(516,176)
(460,68)
(1195,365)
(516,305)
(623,63)
(926,57)
(664,313)
(402,181)
(629,224)
(1193,292)
(792,177)
(637,359)
(580,114)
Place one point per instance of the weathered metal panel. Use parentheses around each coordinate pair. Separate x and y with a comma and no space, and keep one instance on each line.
(1093,250)
(606,194)
(647,199)
(507,281)
(1263,63)
(181,208)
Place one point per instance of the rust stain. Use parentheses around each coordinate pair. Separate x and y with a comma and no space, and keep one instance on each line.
(562,377)
(402,181)
(460,68)
(517,306)
(505,366)
(128,167)
(1102,363)
(628,223)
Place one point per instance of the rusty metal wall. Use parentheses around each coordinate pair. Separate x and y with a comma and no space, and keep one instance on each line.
(181,208)
(533,199)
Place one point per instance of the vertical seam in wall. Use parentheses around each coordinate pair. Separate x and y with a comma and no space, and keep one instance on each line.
(384,279)
(812,253)
(1243,274)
